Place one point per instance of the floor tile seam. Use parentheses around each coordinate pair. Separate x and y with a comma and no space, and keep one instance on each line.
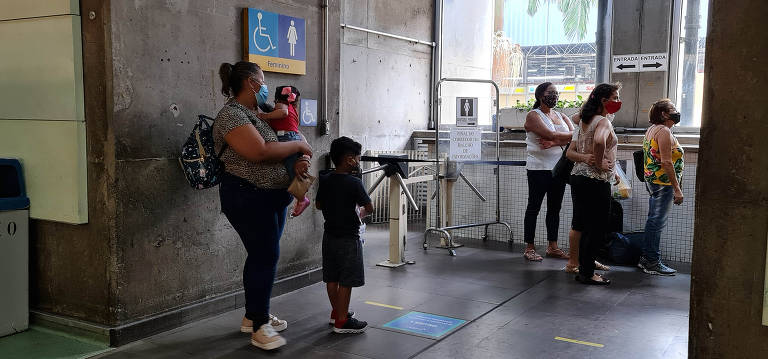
(478,318)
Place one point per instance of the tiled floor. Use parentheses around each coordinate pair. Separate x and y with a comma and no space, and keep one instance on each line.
(514,309)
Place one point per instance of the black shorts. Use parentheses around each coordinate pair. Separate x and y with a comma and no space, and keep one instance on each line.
(343,260)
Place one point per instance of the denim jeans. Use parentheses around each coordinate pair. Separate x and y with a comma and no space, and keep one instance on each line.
(290,161)
(258,217)
(659,204)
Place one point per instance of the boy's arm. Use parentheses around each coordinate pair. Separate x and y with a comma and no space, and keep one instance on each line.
(363,200)
(281,111)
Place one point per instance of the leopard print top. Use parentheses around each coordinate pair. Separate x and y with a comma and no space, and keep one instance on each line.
(262,175)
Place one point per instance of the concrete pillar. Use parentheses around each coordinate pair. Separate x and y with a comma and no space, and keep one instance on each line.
(729,253)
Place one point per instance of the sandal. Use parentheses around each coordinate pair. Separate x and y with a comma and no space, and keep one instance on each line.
(531,255)
(601,266)
(591,281)
(571,269)
(557,253)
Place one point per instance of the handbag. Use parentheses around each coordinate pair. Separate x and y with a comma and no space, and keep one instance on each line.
(639,161)
(563,167)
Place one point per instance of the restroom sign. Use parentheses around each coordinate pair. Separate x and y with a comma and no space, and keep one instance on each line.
(640,62)
(275,42)
(466,111)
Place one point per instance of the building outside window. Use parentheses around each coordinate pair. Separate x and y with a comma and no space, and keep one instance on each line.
(689,89)
(544,41)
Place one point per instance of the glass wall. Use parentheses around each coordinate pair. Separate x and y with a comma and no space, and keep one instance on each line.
(544,41)
(690,69)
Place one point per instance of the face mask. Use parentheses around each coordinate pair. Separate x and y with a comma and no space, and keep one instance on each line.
(261,96)
(675,117)
(612,106)
(356,170)
(550,100)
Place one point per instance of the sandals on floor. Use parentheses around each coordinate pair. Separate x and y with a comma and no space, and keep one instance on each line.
(601,266)
(590,281)
(557,253)
(571,269)
(531,255)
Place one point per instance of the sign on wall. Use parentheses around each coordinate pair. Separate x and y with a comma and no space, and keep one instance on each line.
(308,116)
(466,144)
(639,62)
(466,111)
(275,42)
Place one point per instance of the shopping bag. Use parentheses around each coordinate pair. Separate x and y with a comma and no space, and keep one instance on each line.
(621,189)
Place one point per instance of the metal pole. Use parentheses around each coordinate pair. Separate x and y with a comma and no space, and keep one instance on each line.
(472,187)
(399,180)
(376,184)
(374,169)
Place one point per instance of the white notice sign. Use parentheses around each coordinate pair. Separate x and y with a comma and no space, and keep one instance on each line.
(466,144)
(466,111)
(640,62)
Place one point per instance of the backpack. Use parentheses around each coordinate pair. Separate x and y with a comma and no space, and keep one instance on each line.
(202,167)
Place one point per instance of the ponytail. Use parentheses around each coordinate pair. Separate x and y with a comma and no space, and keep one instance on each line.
(232,76)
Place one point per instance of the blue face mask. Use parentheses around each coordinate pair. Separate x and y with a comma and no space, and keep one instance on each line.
(261,97)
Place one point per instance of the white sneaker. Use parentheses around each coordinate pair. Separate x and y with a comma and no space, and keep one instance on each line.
(267,338)
(277,324)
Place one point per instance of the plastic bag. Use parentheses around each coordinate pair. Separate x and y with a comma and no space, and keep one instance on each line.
(361,231)
(621,189)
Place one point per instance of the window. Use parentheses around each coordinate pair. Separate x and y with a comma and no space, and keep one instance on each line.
(544,41)
(689,89)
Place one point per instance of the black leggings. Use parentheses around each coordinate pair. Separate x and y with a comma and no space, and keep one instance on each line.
(540,183)
(591,215)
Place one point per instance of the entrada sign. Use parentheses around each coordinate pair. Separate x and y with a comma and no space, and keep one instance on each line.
(275,42)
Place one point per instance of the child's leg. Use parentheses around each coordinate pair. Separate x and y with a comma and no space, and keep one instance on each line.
(343,296)
(333,293)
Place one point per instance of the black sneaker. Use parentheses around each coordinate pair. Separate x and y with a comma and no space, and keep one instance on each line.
(350,314)
(352,326)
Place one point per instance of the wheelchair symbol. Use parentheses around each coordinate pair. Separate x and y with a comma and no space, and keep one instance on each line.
(307,117)
(261,31)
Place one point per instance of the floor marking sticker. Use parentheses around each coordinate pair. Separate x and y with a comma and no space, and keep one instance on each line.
(384,305)
(579,342)
(425,324)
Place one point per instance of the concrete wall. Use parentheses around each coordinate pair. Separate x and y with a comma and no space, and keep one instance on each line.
(640,27)
(385,81)
(152,243)
(729,258)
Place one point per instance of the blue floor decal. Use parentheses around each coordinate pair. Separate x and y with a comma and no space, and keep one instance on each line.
(425,324)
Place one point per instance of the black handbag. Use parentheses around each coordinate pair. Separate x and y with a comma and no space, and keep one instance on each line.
(639,160)
(563,167)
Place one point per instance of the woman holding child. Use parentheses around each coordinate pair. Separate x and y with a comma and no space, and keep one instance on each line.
(253,191)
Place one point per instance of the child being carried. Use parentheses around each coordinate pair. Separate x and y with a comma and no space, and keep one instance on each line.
(285,121)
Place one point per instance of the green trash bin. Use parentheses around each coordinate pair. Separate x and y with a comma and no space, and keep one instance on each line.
(14,249)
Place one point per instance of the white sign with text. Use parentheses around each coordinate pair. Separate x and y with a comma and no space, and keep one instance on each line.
(640,62)
(466,144)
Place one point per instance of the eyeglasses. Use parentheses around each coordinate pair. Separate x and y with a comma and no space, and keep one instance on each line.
(257,81)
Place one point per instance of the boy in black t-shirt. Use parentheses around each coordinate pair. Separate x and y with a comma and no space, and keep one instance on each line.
(339,195)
